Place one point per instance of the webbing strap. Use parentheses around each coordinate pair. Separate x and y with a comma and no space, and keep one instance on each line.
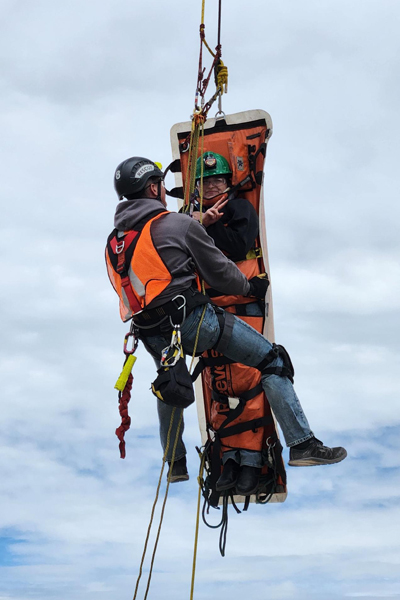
(252,393)
(213,293)
(226,321)
(242,427)
(245,396)
(122,270)
(210,361)
(286,370)
(246,310)
(280,371)
(133,302)
(268,358)
(254,253)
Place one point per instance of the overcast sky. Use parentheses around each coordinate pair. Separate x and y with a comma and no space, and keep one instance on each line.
(83,86)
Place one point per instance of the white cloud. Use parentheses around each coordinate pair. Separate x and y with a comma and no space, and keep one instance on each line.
(84,86)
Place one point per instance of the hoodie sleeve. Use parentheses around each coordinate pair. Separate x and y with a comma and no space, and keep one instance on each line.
(212,265)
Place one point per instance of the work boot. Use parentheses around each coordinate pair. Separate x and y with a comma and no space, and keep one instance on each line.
(179,471)
(228,476)
(315,454)
(248,480)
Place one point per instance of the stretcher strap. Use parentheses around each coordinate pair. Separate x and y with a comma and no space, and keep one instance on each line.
(280,371)
(224,432)
(268,358)
(252,393)
(245,396)
(210,361)
(243,310)
(286,370)
(226,321)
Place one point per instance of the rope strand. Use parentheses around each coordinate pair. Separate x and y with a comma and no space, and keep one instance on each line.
(164,502)
(154,503)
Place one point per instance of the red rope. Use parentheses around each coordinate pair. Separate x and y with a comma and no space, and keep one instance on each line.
(124,398)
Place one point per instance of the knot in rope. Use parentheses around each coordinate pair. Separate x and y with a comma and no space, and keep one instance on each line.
(222,76)
(199,118)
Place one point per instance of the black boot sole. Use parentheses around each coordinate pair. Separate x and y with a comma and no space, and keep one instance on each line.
(314,461)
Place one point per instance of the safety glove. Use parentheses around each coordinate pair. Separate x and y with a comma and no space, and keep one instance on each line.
(258,286)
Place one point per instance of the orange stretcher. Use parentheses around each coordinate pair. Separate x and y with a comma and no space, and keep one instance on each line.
(233,410)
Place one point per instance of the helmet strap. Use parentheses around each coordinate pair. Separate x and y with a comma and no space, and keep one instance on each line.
(159,190)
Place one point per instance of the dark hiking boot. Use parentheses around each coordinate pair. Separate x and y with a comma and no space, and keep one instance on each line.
(228,476)
(248,479)
(179,471)
(315,454)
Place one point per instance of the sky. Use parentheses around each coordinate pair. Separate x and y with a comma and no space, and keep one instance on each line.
(84,86)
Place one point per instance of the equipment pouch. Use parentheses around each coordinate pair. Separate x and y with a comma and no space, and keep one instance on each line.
(174,385)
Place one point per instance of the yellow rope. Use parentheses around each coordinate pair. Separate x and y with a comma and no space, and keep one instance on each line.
(202,175)
(201,220)
(156,498)
(196,535)
(190,180)
(208,48)
(165,501)
(203,6)
(198,334)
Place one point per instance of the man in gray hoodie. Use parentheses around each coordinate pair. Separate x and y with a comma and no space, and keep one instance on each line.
(187,251)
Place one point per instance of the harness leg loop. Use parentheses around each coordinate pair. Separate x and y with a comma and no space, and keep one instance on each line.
(286,370)
(226,321)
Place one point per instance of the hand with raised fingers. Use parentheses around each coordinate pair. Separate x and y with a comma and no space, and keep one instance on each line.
(213,214)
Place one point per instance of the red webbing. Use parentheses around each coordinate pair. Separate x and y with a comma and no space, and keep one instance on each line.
(124,398)
(133,301)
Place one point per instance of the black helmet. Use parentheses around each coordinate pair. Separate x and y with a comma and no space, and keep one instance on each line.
(132,175)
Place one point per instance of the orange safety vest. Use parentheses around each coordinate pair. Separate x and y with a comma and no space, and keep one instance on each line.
(136,270)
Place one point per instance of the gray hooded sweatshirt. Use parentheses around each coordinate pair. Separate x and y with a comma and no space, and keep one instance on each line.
(185,247)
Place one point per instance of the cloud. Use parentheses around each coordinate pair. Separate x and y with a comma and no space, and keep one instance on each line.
(84,86)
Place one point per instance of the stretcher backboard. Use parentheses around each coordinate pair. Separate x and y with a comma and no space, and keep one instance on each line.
(221,135)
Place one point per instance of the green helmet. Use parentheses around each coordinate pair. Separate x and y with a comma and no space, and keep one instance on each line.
(213,164)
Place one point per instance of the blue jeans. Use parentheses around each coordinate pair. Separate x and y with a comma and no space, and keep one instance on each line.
(248,347)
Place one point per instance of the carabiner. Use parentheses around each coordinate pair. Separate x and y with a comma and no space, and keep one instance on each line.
(134,342)
(172,353)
